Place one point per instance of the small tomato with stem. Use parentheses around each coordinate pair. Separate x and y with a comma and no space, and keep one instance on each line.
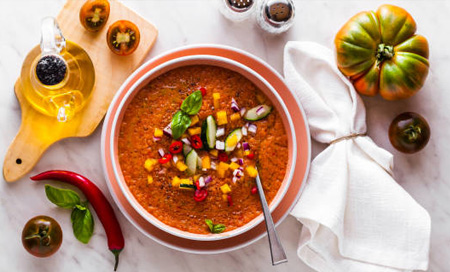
(409,132)
(42,236)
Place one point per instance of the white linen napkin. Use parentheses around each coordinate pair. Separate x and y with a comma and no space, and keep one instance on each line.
(355,216)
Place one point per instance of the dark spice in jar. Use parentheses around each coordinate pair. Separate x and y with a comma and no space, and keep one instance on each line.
(51,70)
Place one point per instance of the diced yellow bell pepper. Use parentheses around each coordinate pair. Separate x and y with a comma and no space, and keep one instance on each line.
(216,98)
(149,179)
(206,162)
(214,152)
(221,172)
(246,152)
(234,166)
(222,118)
(158,132)
(251,171)
(195,131)
(194,120)
(196,177)
(225,197)
(235,116)
(239,153)
(225,189)
(150,164)
(232,141)
(176,181)
(224,166)
(260,98)
(181,166)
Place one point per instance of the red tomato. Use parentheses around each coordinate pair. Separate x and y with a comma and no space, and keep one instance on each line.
(94,14)
(42,236)
(123,37)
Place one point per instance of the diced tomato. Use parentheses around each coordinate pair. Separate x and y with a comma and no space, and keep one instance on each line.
(223,157)
(203,90)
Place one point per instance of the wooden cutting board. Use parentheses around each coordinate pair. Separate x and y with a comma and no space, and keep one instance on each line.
(37,131)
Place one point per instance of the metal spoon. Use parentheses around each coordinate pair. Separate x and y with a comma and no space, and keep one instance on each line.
(276,249)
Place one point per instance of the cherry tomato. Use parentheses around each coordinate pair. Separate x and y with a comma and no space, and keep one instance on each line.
(176,147)
(42,236)
(123,37)
(409,132)
(223,157)
(196,142)
(203,90)
(94,14)
(254,190)
(165,159)
(200,195)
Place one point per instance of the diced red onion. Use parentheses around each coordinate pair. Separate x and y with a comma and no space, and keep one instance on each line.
(260,110)
(235,179)
(242,111)
(244,131)
(204,169)
(208,179)
(241,161)
(213,165)
(220,145)
(161,152)
(242,169)
(246,146)
(201,182)
(220,132)
(234,105)
(186,141)
(237,172)
(155,139)
(234,159)
(168,130)
(247,125)
(175,159)
(252,128)
(238,145)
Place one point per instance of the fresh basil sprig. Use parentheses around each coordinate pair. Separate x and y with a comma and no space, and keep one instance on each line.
(214,228)
(181,120)
(81,217)
(192,104)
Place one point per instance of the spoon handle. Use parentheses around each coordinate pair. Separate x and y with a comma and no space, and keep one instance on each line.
(276,249)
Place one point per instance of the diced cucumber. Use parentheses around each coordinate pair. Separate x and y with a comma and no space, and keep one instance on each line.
(208,134)
(199,162)
(186,149)
(229,144)
(191,161)
(252,114)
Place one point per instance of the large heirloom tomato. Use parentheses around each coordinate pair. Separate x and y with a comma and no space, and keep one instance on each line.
(380,53)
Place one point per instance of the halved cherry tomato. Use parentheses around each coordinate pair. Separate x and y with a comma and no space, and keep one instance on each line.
(196,142)
(223,157)
(176,147)
(200,195)
(94,14)
(203,90)
(165,159)
(123,37)
(42,236)
(409,132)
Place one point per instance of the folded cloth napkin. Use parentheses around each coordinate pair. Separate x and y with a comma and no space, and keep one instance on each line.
(355,216)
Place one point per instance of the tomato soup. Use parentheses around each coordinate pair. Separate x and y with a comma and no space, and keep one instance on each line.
(204,180)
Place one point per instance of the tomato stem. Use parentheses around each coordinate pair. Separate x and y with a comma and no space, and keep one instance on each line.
(384,52)
(116,253)
(42,235)
(412,133)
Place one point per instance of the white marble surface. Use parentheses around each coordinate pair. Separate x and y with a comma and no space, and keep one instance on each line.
(423,175)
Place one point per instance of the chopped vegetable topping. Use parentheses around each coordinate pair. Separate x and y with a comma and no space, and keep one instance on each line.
(196,142)
(200,195)
(203,90)
(150,164)
(216,98)
(235,116)
(252,128)
(176,181)
(244,131)
(222,118)
(149,179)
(220,145)
(206,162)
(214,152)
(230,200)
(158,133)
(223,157)
(234,166)
(214,228)
(242,111)
(254,190)
(176,147)
(220,132)
(234,105)
(165,159)
(251,156)
(195,131)
(251,171)
(181,166)
(194,120)
(225,189)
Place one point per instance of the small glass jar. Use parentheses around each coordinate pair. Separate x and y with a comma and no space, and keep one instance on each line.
(275,16)
(237,10)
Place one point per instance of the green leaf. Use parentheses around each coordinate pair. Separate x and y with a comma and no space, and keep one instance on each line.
(63,198)
(218,228)
(180,122)
(210,224)
(192,104)
(83,224)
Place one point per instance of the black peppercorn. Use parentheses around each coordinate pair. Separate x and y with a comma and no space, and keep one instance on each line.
(51,70)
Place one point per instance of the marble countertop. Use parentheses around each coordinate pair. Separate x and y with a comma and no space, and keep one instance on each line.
(189,22)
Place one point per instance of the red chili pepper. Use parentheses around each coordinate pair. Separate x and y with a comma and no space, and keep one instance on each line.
(254,190)
(165,159)
(223,157)
(203,90)
(251,156)
(197,184)
(98,201)
(230,201)
(196,142)
(176,147)
(200,195)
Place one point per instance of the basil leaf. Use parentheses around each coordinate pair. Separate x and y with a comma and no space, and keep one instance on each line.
(210,224)
(82,223)
(180,122)
(192,104)
(218,228)
(63,198)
